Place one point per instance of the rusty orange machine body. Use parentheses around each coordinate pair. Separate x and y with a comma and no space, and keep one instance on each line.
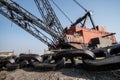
(81,35)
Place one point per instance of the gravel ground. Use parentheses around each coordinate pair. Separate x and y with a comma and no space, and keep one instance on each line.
(63,74)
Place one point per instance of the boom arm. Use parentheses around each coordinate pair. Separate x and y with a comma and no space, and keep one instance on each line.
(49,16)
(27,21)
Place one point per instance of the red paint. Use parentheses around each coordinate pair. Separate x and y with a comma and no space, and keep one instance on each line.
(84,35)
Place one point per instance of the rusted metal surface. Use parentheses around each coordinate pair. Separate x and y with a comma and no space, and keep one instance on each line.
(84,35)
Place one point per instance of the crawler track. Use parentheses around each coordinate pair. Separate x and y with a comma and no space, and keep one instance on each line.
(110,59)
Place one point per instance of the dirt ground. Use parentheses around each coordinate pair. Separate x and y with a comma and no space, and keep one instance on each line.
(62,74)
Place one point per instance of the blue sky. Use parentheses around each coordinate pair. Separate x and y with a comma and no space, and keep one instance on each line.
(12,37)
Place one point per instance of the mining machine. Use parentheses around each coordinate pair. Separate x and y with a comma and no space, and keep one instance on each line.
(72,42)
